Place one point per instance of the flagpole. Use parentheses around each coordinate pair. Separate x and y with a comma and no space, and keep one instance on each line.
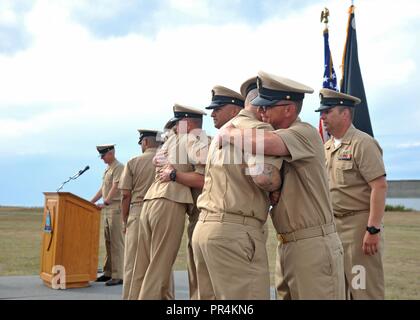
(329,79)
(324,17)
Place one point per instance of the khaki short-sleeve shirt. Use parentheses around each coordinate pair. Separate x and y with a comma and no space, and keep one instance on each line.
(351,166)
(138,175)
(227,186)
(305,199)
(186,153)
(112,175)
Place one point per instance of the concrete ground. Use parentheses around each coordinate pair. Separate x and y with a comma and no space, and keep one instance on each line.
(32,288)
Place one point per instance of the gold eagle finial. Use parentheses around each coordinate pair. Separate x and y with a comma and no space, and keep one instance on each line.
(324,15)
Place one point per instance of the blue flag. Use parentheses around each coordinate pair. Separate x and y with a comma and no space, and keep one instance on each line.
(352,82)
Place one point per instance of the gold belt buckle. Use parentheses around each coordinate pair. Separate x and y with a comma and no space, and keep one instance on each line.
(281,238)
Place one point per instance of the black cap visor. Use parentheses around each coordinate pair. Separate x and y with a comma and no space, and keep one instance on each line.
(215,105)
(184,115)
(259,101)
(324,107)
(174,120)
(269,97)
(105,150)
(220,101)
(328,103)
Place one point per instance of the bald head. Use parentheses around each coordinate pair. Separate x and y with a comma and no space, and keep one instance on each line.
(252,94)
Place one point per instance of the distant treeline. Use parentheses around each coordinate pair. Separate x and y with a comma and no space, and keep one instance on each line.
(399,208)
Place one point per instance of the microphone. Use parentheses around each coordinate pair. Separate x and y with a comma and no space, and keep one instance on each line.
(83,171)
(74,177)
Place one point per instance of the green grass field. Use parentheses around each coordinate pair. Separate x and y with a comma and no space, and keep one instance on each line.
(21,231)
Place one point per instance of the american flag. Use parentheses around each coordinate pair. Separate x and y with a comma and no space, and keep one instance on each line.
(329,81)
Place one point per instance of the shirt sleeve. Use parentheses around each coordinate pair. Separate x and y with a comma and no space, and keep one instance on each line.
(252,160)
(197,154)
(274,161)
(298,142)
(368,157)
(126,179)
(116,174)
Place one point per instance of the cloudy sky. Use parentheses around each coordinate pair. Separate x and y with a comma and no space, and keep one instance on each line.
(74,74)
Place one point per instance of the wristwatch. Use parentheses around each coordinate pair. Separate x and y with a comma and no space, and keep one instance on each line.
(373,230)
(172,175)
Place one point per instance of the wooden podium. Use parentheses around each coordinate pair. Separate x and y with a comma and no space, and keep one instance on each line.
(70,241)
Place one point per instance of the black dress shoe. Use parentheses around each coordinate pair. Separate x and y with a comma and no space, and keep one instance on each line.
(114,282)
(102,278)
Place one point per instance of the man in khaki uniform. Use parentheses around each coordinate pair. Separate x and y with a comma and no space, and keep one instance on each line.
(137,177)
(167,201)
(249,90)
(228,240)
(309,264)
(114,236)
(225,104)
(358,189)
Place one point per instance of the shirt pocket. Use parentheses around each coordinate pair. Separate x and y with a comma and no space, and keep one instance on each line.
(344,172)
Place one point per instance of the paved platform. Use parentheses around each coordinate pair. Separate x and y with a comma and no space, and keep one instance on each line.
(32,288)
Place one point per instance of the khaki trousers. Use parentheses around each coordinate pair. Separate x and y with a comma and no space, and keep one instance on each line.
(131,239)
(192,272)
(231,261)
(265,231)
(310,268)
(160,233)
(364,274)
(114,243)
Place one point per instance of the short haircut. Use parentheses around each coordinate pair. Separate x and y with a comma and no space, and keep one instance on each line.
(252,94)
(153,141)
(298,105)
(351,111)
(198,121)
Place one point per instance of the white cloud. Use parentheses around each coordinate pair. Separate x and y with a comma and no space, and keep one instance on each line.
(116,80)
(409,145)
(192,7)
(7,14)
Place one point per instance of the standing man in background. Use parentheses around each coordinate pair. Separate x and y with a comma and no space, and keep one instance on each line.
(137,177)
(114,236)
(358,189)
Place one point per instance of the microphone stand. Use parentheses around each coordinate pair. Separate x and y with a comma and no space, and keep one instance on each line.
(71,178)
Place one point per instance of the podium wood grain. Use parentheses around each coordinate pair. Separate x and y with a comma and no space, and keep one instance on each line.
(73,242)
